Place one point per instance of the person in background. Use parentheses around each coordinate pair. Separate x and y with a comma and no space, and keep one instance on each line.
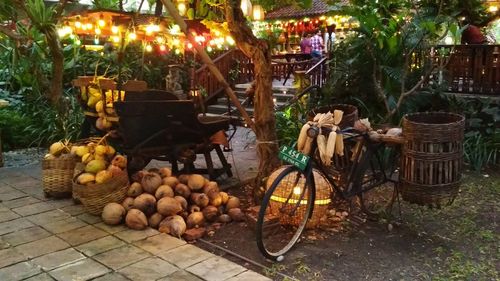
(473,35)
(317,45)
(330,38)
(305,44)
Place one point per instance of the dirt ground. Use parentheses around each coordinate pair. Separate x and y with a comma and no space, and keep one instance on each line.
(457,242)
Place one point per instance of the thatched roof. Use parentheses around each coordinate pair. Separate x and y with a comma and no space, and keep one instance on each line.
(318,8)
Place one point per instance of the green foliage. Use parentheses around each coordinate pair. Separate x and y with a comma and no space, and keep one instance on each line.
(12,124)
(479,152)
(289,122)
(105,4)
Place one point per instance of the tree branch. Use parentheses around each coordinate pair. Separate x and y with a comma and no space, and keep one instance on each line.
(11,33)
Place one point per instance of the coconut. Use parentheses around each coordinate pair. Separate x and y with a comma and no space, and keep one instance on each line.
(85,178)
(154,170)
(128,203)
(146,203)
(120,161)
(103,176)
(73,150)
(113,213)
(150,182)
(196,182)
(183,178)
(86,158)
(164,191)
(49,156)
(171,181)
(210,213)
(95,166)
(182,190)
(100,149)
(195,219)
(200,199)
(58,148)
(138,176)
(165,172)
(82,150)
(115,170)
(236,214)
(168,206)
(183,201)
(155,219)
(134,190)
(224,196)
(174,225)
(110,151)
(194,208)
(232,202)
(224,218)
(210,187)
(136,219)
(215,198)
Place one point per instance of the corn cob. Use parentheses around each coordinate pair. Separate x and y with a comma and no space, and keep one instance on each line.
(302,137)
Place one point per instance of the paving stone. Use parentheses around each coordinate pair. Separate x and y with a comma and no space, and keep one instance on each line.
(100,245)
(35,191)
(41,247)
(74,210)
(40,277)
(120,257)
(14,225)
(159,243)
(20,202)
(112,277)
(81,270)
(7,215)
(3,244)
(26,235)
(64,225)
(19,271)
(249,275)
(82,235)
(88,218)
(61,202)
(132,235)
(48,217)
(11,194)
(111,229)
(185,255)
(10,256)
(148,269)
(216,268)
(36,208)
(26,182)
(182,275)
(58,259)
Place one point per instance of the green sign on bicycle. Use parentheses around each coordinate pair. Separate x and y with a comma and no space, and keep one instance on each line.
(292,156)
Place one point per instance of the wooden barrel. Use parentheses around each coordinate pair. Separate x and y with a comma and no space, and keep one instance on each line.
(432,158)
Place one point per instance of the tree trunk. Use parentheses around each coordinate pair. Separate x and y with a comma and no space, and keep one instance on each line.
(56,83)
(265,122)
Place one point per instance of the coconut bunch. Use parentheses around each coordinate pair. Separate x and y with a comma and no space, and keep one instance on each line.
(173,204)
(59,149)
(101,163)
(104,109)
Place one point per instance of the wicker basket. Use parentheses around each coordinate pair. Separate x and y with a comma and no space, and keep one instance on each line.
(95,196)
(57,175)
(350,113)
(321,202)
(432,159)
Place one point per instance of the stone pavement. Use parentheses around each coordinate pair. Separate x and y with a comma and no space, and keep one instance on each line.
(46,239)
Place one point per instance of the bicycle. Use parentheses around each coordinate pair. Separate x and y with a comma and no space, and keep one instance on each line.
(359,172)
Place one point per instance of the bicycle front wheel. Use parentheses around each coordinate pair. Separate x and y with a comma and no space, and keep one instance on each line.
(283,215)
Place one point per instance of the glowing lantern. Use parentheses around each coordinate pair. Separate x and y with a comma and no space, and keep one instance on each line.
(258,13)
(181,6)
(116,39)
(148,48)
(115,29)
(132,36)
(493,9)
(189,45)
(78,24)
(97,31)
(246,7)
(163,48)
(160,40)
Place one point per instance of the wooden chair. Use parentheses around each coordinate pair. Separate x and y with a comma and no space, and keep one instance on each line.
(169,130)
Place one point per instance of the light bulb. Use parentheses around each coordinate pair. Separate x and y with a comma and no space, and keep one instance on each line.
(115,29)
(163,48)
(78,24)
(149,48)
(132,36)
(297,190)
(101,23)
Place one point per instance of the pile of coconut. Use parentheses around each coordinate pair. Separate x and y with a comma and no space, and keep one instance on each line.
(172,204)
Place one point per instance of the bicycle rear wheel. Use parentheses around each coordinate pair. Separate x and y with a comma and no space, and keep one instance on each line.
(378,190)
(283,215)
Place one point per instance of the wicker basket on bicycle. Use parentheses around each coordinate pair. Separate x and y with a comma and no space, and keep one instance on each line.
(432,159)
(341,165)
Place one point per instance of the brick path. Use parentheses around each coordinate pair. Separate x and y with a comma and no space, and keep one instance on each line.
(42,239)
